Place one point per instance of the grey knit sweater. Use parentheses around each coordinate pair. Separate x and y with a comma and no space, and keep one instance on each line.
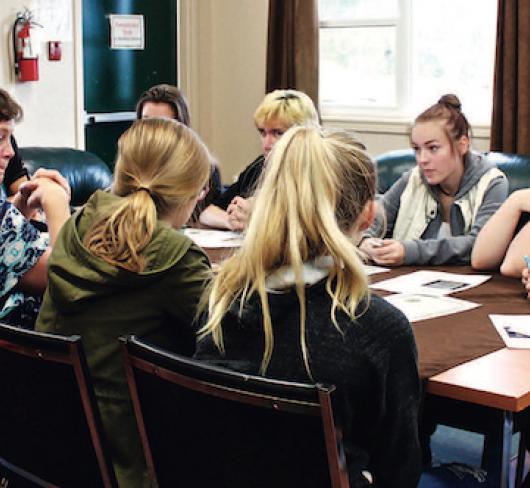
(373,364)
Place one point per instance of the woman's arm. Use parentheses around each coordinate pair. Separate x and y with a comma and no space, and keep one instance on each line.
(494,239)
(48,192)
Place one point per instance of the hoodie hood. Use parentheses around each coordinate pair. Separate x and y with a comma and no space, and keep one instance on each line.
(77,276)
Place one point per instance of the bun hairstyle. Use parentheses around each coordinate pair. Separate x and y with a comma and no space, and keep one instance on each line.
(161,165)
(314,189)
(448,110)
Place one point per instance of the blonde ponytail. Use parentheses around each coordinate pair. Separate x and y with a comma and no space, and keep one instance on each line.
(161,165)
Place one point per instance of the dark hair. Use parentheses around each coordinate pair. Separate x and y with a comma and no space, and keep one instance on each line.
(449,110)
(166,94)
(9,109)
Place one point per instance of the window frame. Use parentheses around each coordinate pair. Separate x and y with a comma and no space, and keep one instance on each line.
(394,119)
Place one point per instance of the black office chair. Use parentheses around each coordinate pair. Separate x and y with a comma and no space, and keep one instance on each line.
(205,426)
(50,429)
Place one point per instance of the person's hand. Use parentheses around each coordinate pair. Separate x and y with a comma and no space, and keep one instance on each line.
(42,193)
(55,176)
(238,213)
(387,252)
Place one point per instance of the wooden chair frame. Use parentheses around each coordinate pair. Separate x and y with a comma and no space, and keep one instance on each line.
(315,400)
(68,351)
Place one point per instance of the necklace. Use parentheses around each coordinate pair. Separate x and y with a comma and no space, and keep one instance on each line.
(444,191)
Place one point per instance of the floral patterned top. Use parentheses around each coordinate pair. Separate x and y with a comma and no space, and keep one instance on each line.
(21,246)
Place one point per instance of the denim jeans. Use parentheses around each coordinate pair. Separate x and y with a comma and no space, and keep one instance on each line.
(453,475)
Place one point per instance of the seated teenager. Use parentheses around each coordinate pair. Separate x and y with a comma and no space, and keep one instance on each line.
(167,101)
(24,250)
(278,111)
(505,239)
(294,303)
(121,267)
(434,212)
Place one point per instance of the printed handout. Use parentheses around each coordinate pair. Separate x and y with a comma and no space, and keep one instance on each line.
(214,239)
(422,307)
(428,282)
(371,270)
(514,330)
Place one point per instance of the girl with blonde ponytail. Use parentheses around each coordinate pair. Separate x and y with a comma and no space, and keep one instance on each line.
(121,266)
(294,303)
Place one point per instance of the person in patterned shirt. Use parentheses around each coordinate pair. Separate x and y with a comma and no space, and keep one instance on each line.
(24,249)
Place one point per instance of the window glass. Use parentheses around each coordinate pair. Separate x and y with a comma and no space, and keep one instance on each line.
(343,51)
(405,54)
(329,10)
(459,59)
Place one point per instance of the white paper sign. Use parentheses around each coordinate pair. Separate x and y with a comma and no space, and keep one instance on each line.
(127,32)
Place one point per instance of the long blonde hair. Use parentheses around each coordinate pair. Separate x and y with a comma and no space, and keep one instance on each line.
(313,192)
(161,166)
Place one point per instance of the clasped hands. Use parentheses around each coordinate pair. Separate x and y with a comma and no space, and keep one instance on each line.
(46,190)
(238,213)
(387,252)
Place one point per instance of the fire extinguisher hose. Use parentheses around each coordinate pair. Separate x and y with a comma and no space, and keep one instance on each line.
(18,20)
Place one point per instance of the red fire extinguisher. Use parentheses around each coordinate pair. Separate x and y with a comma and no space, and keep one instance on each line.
(26,59)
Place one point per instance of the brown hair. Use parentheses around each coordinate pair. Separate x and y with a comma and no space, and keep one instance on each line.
(166,94)
(448,109)
(9,109)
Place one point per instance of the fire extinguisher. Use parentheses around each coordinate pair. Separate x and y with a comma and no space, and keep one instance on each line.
(26,59)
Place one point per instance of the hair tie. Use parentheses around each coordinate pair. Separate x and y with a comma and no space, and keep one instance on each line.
(144,188)
(288,96)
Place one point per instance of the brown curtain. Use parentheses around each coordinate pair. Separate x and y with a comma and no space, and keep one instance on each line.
(292,46)
(510,126)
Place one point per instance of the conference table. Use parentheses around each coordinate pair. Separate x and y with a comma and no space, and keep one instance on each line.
(472,381)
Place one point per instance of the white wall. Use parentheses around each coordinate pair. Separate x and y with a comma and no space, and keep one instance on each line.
(50,113)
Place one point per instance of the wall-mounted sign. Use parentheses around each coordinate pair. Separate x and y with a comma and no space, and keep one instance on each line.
(127,32)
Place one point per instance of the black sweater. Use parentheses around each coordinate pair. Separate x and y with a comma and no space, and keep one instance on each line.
(373,364)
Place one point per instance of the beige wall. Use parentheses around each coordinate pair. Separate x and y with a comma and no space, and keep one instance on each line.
(50,103)
(223,46)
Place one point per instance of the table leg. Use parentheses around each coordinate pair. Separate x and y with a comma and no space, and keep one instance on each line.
(497,452)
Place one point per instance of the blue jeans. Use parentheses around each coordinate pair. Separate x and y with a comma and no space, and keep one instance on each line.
(453,475)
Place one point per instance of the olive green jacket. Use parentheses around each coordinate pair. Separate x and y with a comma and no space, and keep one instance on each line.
(101,302)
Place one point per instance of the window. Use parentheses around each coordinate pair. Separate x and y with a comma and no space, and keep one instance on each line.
(391,59)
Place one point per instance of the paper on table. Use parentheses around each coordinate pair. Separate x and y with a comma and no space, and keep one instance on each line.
(213,239)
(422,307)
(371,270)
(428,282)
(514,330)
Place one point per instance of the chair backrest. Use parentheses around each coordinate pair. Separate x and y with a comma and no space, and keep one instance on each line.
(392,164)
(206,426)
(50,427)
(84,171)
